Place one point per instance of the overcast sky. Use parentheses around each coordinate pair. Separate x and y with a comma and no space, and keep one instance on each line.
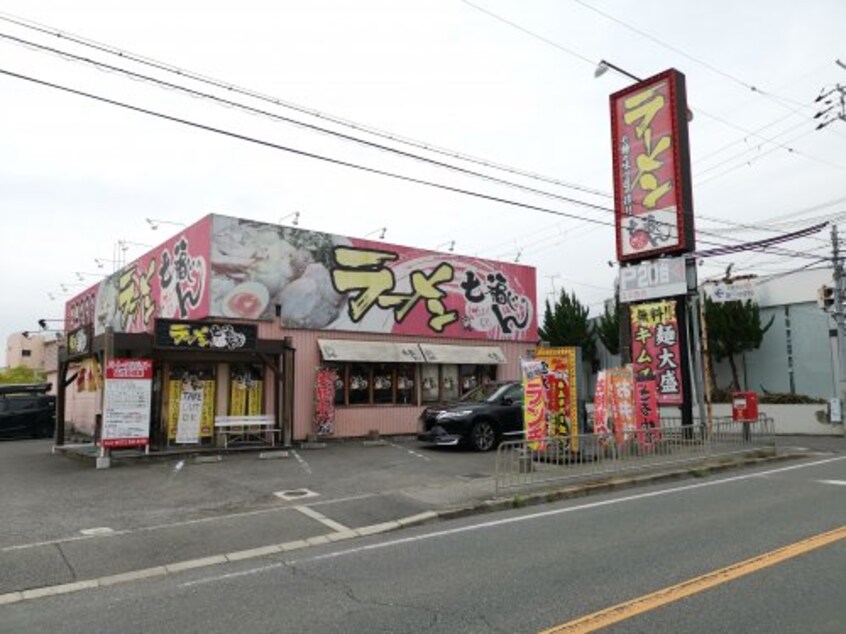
(518,90)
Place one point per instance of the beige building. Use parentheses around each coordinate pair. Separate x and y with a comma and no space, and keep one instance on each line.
(27,350)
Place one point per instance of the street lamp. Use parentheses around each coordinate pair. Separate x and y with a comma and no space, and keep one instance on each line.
(295,221)
(155,222)
(80,274)
(380,231)
(604,66)
(451,244)
(125,244)
(101,261)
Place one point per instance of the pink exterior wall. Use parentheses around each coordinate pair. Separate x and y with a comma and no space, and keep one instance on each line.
(359,420)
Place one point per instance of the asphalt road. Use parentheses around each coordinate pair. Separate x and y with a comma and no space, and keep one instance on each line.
(519,571)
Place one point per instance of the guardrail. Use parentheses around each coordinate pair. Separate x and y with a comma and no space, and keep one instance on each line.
(524,464)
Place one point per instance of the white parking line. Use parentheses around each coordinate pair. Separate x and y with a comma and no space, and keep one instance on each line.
(335,526)
(411,451)
(302,462)
(157,527)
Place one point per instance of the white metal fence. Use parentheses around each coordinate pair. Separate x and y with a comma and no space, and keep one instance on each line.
(522,464)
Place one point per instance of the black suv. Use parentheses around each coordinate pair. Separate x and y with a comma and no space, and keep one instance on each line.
(480,419)
(27,410)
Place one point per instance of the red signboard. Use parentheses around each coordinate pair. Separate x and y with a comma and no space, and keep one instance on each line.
(656,349)
(652,192)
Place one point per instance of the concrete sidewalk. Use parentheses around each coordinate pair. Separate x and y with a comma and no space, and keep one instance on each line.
(66,526)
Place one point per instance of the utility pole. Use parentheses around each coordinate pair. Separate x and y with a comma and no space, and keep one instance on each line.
(837,310)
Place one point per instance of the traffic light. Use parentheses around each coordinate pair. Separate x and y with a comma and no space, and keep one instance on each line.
(825,296)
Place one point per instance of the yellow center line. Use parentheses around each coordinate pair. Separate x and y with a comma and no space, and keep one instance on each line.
(623,611)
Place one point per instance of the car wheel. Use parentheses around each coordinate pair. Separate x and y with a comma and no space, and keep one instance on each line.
(482,436)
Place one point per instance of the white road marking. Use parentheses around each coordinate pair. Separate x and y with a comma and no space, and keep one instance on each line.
(335,526)
(302,462)
(99,530)
(411,451)
(838,482)
(156,527)
(554,512)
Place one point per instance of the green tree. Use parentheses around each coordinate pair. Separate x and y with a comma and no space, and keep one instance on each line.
(607,327)
(566,324)
(21,374)
(734,328)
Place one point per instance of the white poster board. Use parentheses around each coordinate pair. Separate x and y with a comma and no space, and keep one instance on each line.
(127,401)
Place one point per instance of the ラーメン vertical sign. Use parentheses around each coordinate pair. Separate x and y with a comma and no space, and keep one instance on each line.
(653,202)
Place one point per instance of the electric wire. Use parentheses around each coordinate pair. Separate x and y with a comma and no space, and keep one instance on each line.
(699,110)
(169,85)
(235,89)
(281,118)
(722,248)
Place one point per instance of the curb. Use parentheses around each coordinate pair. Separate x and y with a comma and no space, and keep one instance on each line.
(519,500)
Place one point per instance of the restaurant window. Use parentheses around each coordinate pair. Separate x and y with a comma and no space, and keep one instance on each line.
(246,390)
(469,376)
(359,383)
(449,382)
(429,383)
(383,383)
(340,382)
(405,384)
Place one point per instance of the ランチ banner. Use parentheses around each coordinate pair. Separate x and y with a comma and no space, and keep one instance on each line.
(535,413)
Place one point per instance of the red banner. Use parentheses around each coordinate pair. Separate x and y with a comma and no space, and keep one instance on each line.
(324,401)
(656,351)
(620,403)
(647,414)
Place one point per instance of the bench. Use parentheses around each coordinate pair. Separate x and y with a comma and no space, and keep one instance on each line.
(246,429)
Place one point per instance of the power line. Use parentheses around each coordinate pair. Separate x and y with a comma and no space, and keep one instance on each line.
(231,88)
(327,159)
(699,110)
(103,66)
(277,117)
(303,153)
(777,99)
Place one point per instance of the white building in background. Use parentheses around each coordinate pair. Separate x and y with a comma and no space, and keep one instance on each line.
(799,352)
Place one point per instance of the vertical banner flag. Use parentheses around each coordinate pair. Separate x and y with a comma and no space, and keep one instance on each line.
(656,351)
(621,404)
(324,401)
(647,415)
(560,375)
(535,415)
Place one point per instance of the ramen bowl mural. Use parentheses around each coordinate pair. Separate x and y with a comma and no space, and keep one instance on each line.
(320,281)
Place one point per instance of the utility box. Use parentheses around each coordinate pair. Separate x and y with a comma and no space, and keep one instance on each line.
(744,407)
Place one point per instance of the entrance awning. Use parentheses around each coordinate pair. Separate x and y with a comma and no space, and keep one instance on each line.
(440,353)
(341,350)
(404,352)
